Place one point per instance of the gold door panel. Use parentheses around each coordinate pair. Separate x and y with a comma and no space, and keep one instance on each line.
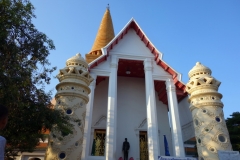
(143,145)
(99,138)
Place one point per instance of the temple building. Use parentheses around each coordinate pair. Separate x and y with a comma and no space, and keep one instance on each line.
(134,94)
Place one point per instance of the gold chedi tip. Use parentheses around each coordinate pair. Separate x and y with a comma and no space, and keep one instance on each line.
(104,36)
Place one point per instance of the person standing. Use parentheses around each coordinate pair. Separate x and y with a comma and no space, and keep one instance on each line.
(125,148)
(3,123)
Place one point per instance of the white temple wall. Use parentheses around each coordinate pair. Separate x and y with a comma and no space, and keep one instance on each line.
(131,45)
(184,111)
(99,108)
(100,102)
(104,66)
(186,120)
(131,113)
(157,70)
(163,126)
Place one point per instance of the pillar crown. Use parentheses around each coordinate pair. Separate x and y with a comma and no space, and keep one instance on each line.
(199,69)
(114,61)
(148,64)
(170,85)
(200,78)
(77,61)
(76,68)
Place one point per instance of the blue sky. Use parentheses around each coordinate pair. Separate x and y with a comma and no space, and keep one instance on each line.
(185,31)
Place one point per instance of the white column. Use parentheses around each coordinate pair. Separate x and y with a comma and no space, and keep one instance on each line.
(88,121)
(176,129)
(152,124)
(111,111)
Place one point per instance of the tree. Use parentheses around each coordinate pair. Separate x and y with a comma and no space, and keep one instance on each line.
(233,125)
(23,74)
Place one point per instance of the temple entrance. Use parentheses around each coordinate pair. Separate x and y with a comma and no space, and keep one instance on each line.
(98,147)
(143,141)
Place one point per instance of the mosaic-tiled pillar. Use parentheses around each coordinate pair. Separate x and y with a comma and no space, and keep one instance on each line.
(71,97)
(207,111)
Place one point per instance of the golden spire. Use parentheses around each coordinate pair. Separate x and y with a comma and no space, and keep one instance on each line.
(104,36)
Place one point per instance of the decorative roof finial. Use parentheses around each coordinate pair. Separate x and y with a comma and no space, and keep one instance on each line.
(108,6)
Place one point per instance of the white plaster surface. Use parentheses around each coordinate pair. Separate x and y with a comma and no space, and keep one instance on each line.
(88,121)
(100,103)
(131,112)
(163,125)
(131,45)
(153,146)
(99,107)
(176,129)
(186,120)
(184,112)
(102,66)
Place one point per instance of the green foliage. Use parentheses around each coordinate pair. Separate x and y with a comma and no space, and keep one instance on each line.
(233,125)
(23,73)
